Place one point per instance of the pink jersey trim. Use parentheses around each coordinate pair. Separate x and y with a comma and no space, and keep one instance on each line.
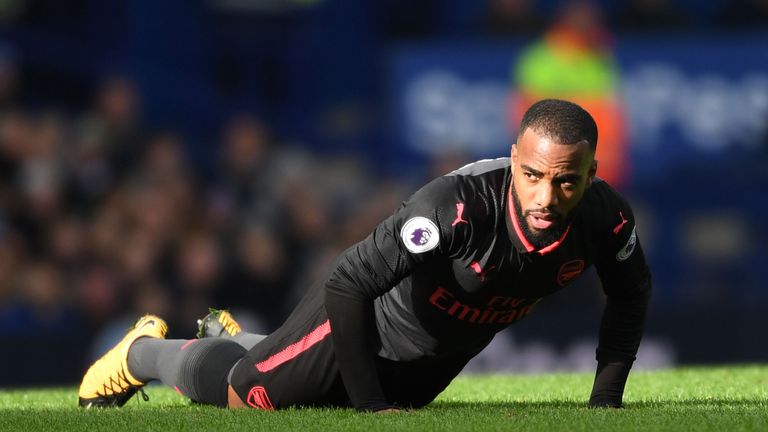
(556,244)
(188,343)
(295,349)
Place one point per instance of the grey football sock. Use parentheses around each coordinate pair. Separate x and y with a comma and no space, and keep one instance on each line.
(144,358)
(247,340)
(196,368)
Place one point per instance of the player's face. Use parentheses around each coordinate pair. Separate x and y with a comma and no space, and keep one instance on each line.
(549,180)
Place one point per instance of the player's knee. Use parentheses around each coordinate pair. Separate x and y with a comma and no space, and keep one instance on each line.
(205,367)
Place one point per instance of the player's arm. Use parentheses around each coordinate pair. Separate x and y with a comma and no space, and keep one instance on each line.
(369,269)
(626,281)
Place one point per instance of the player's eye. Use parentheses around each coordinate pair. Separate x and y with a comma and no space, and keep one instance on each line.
(567,183)
(530,175)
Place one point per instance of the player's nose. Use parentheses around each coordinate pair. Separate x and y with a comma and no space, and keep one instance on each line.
(546,195)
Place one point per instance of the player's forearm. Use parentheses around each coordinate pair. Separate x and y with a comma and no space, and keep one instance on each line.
(352,328)
(620,335)
(363,273)
(608,388)
(621,328)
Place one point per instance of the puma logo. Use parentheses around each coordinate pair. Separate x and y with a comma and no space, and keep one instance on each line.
(459,214)
(621,225)
(479,270)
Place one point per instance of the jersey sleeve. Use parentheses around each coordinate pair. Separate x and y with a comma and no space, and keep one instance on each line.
(417,232)
(626,281)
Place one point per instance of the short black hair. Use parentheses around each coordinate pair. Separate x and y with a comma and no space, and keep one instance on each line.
(561,121)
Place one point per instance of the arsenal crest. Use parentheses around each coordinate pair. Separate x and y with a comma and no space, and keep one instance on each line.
(569,271)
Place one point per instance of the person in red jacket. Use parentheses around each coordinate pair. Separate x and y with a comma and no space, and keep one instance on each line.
(574,60)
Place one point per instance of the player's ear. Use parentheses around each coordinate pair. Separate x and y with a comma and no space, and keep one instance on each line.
(592,172)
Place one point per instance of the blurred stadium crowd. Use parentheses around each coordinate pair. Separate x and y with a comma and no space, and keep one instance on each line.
(104,216)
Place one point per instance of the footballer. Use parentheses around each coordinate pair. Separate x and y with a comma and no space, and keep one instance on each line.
(398,315)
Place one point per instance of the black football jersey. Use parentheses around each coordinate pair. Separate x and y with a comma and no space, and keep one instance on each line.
(452,267)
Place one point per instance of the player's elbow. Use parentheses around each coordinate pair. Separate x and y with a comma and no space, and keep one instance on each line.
(645,285)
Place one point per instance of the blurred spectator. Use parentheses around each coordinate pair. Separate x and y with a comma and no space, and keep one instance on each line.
(139,258)
(153,298)
(651,15)
(106,226)
(744,15)
(308,214)
(100,297)
(118,104)
(260,278)
(164,160)
(66,242)
(512,18)
(15,138)
(8,76)
(10,258)
(115,123)
(92,175)
(246,145)
(247,176)
(40,178)
(573,61)
(160,206)
(197,275)
(40,304)
(382,199)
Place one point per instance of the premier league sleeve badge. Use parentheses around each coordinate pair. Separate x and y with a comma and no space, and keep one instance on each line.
(420,235)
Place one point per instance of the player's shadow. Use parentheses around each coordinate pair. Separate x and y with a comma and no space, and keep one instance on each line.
(699,402)
(450,405)
(688,403)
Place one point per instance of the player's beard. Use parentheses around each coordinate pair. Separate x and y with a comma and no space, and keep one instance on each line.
(538,238)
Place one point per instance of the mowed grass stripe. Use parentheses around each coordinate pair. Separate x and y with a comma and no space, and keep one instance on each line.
(701,399)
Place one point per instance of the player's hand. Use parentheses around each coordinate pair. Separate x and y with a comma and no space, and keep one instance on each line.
(389,411)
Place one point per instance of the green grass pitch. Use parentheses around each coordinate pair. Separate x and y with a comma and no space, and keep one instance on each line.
(697,399)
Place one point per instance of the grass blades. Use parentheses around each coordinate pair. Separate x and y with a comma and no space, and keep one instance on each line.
(700,399)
